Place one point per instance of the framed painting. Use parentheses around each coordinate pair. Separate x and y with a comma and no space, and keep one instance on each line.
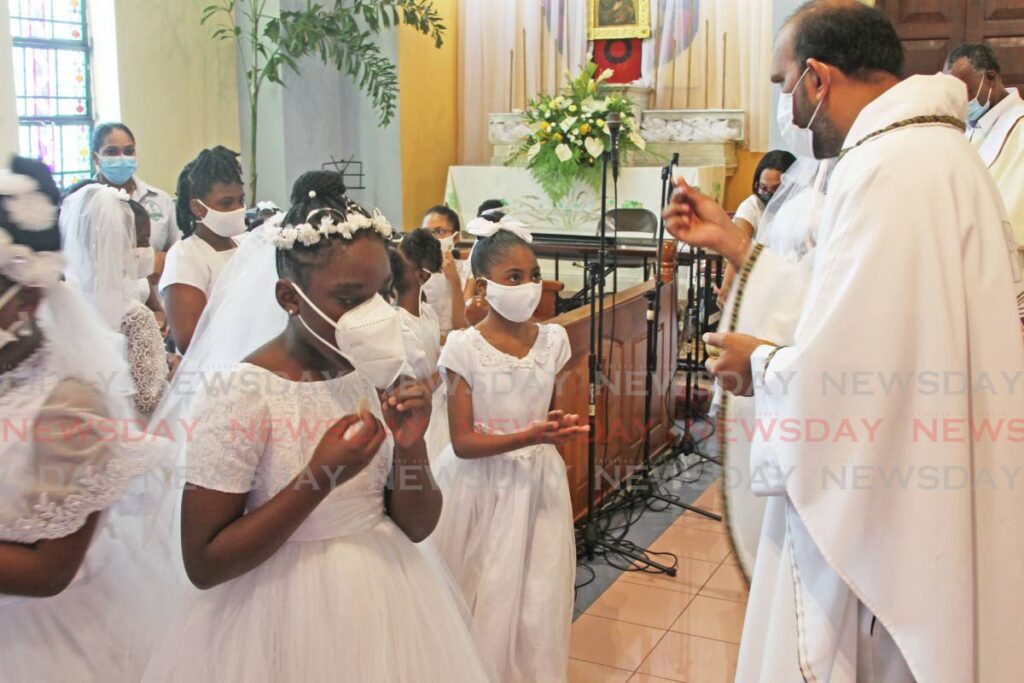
(610,19)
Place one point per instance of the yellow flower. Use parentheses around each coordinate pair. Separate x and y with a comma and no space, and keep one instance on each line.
(558,137)
(545,125)
(600,123)
(585,128)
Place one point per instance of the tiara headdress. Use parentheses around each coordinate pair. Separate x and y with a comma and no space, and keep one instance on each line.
(28,208)
(331,222)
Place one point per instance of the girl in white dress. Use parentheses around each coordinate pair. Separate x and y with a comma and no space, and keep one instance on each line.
(80,597)
(106,245)
(506,530)
(412,263)
(211,215)
(309,562)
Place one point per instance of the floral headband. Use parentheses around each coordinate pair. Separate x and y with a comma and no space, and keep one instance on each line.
(333,222)
(29,209)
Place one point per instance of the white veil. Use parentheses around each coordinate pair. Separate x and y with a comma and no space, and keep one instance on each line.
(98,230)
(792,218)
(241,315)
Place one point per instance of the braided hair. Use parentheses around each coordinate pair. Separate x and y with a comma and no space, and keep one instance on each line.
(489,250)
(216,165)
(419,248)
(317,194)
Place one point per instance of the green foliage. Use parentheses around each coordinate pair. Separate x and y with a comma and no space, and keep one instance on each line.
(569,134)
(340,33)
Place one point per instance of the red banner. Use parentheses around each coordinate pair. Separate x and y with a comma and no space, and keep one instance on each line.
(622,56)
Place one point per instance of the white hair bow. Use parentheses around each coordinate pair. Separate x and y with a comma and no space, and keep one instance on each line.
(481,227)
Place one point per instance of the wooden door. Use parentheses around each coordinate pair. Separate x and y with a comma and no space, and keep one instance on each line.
(1000,24)
(929,29)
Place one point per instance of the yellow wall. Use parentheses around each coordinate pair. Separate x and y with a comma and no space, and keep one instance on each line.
(739,185)
(428,113)
(179,89)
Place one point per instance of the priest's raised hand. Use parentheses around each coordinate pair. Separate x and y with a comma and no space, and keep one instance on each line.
(699,221)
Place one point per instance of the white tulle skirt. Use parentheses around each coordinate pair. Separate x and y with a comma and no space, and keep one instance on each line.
(437,436)
(506,533)
(368,607)
(103,627)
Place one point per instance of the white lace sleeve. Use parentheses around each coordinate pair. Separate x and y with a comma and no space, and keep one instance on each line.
(231,426)
(75,466)
(146,358)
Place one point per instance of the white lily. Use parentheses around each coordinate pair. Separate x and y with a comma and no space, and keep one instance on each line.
(563,153)
(568,123)
(533,151)
(635,138)
(605,75)
(594,146)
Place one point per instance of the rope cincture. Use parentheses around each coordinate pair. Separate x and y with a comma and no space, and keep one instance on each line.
(913,121)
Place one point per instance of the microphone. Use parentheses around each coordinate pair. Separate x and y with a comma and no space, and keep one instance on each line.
(614,122)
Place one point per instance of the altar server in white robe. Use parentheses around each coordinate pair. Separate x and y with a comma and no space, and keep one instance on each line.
(995,117)
(890,551)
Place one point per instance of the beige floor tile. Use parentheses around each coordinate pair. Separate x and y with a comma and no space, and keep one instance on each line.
(686,541)
(588,672)
(617,644)
(694,521)
(731,559)
(727,583)
(647,678)
(712,618)
(639,604)
(690,576)
(681,657)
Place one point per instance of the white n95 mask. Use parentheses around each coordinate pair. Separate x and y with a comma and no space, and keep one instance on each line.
(514,302)
(369,337)
(143,262)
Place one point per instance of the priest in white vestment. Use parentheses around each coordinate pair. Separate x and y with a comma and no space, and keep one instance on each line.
(894,421)
(996,129)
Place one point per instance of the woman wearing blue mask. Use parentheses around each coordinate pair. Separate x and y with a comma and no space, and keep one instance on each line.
(211,213)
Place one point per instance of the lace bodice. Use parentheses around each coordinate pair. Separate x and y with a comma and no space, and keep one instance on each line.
(255,432)
(61,458)
(146,358)
(509,393)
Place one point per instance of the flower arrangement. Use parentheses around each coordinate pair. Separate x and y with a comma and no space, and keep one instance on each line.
(569,133)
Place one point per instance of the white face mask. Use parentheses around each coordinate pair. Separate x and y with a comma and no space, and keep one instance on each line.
(447,244)
(435,288)
(224,223)
(143,262)
(516,303)
(799,140)
(9,335)
(369,337)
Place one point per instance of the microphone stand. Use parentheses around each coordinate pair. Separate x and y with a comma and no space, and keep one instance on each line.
(645,481)
(592,535)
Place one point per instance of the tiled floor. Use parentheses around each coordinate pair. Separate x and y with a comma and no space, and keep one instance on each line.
(649,628)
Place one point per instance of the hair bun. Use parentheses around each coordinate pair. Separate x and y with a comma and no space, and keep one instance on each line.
(322,185)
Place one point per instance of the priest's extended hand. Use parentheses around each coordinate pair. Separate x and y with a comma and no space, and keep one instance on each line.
(730,360)
(699,221)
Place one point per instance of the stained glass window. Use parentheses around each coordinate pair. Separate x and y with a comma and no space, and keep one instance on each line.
(51,84)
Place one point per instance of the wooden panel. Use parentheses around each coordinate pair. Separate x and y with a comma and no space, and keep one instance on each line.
(1010,52)
(929,29)
(620,404)
(1000,24)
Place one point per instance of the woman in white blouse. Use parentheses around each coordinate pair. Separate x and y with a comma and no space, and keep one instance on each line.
(211,213)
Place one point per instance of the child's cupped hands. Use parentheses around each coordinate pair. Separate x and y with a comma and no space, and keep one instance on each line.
(406,408)
(557,429)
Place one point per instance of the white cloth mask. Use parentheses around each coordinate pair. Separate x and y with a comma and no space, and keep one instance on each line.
(369,337)
(516,303)
(143,261)
(447,244)
(435,288)
(799,140)
(224,223)
(9,335)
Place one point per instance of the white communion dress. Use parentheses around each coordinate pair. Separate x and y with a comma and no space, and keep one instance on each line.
(506,530)
(422,335)
(61,461)
(348,597)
